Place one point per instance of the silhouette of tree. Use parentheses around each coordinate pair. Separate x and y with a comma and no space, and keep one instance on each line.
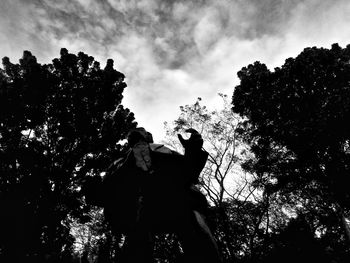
(295,123)
(226,151)
(238,212)
(58,123)
(296,242)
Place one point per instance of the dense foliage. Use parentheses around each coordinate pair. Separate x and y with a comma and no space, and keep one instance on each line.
(277,175)
(296,123)
(58,123)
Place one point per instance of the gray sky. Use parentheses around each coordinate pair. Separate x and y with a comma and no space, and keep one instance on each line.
(173,51)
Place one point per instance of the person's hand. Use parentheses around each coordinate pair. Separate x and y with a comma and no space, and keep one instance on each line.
(194,143)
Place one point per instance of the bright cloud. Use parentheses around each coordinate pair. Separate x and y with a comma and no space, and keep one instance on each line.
(173,51)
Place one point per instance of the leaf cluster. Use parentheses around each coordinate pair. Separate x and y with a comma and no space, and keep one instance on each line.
(296,118)
(58,123)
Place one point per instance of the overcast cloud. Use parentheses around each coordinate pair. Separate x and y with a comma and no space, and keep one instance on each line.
(173,51)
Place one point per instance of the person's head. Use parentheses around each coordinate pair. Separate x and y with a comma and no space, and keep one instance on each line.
(139,134)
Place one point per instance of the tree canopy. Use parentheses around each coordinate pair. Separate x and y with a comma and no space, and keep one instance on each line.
(290,147)
(59,122)
(299,111)
(296,123)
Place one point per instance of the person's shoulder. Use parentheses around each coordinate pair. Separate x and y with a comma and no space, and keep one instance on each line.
(161,148)
(155,147)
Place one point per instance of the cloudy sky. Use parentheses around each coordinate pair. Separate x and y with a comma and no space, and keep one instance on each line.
(173,51)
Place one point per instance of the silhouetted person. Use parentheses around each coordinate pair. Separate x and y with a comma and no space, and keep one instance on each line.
(152,190)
